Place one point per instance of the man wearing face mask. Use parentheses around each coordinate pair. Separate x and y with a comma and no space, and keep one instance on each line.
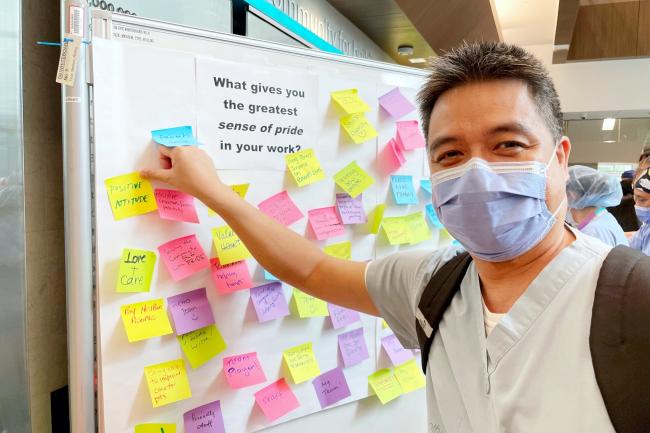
(511,352)
(641,239)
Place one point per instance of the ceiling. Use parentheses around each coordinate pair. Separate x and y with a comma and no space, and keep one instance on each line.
(623,144)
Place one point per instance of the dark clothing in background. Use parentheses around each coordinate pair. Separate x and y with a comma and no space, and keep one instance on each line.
(624,212)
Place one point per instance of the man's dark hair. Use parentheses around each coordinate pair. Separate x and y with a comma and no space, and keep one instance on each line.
(487,61)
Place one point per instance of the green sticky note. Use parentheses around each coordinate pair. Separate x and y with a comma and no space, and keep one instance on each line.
(202,345)
(397,230)
(418,228)
(385,385)
(375,218)
(155,428)
(358,128)
(136,269)
(301,362)
(341,250)
(308,306)
(353,179)
(409,376)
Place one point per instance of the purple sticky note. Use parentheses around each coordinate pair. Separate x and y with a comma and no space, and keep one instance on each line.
(204,419)
(353,347)
(395,351)
(269,301)
(395,103)
(190,311)
(331,387)
(351,209)
(341,317)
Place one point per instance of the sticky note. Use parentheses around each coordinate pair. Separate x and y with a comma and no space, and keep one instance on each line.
(395,103)
(243,370)
(281,208)
(232,277)
(353,348)
(325,223)
(353,179)
(384,324)
(144,320)
(240,189)
(351,209)
(358,128)
(408,135)
(301,362)
(276,400)
(395,351)
(136,269)
(375,218)
(349,101)
(309,306)
(171,137)
(183,257)
(418,228)
(269,302)
(385,385)
(204,419)
(304,167)
(202,345)
(341,316)
(228,245)
(410,376)
(130,195)
(269,276)
(425,184)
(403,191)
(190,311)
(167,382)
(392,157)
(432,216)
(175,205)
(155,428)
(397,230)
(341,250)
(331,387)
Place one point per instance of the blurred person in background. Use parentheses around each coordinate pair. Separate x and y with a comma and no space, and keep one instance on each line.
(624,212)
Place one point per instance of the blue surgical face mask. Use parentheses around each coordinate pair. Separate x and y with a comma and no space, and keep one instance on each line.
(643,213)
(497,211)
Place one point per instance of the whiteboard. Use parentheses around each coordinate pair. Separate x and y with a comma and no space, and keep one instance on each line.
(147,84)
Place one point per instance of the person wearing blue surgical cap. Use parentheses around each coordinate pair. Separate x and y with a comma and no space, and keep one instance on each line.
(641,240)
(589,193)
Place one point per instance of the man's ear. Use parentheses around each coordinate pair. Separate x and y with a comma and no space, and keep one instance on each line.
(563,151)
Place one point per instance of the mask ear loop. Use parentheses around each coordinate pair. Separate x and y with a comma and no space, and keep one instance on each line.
(548,164)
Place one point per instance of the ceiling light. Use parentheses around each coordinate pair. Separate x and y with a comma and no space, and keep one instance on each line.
(608,124)
(418,60)
(405,50)
(609,141)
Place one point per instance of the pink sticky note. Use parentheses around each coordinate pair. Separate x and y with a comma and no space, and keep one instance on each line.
(391,157)
(325,223)
(341,317)
(183,257)
(353,347)
(190,311)
(281,208)
(269,302)
(351,209)
(409,135)
(243,370)
(395,103)
(276,400)
(231,277)
(331,387)
(395,351)
(175,205)
(204,419)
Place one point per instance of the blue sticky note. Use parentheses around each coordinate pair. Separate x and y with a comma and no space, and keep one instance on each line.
(171,137)
(433,217)
(403,191)
(425,184)
(269,276)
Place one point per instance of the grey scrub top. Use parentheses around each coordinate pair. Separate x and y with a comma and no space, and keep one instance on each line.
(532,374)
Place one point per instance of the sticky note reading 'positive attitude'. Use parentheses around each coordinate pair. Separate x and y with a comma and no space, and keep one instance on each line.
(408,135)
(353,348)
(281,208)
(358,128)
(243,370)
(350,209)
(155,428)
(395,103)
(269,302)
(130,195)
(204,419)
(325,223)
(276,400)
(409,375)
(183,257)
(136,269)
(375,218)
(171,137)
(190,311)
(167,382)
(353,179)
(331,387)
(341,316)
(202,345)
(175,205)
(304,167)
(395,351)
(144,320)
(301,362)
(349,101)
(230,278)
(403,191)
(385,385)
(228,245)
(341,250)
(309,306)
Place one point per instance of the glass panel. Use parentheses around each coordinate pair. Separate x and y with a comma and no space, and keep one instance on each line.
(257,28)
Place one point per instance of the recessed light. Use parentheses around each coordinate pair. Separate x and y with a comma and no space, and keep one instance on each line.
(405,50)
(608,124)
(418,60)
(609,141)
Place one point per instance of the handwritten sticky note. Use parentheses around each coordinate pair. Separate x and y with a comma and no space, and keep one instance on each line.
(341,250)
(204,419)
(241,190)
(130,195)
(331,387)
(403,191)
(385,385)
(202,345)
(395,351)
(395,103)
(304,167)
(358,127)
(341,316)
(243,370)
(410,376)
(432,216)
(183,257)
(144,320)
(397,230)
(353,179)
(391,157)
(349,101)
(269,302)
(418,228)
(171,137)
(136,269)
(353,348)
(190,311)
(155,428)
(228,245)
(232,277)
(175,205)
(281,208)
(269,276)
(309,306)
(301,362)
(375,218)
(167,382)
(351,209)
(425,184)
(409,135)
(276,400)
(325,223)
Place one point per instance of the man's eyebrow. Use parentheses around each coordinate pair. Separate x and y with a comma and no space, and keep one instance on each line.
(513,127)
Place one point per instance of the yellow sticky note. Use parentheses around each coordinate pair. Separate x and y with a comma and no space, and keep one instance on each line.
(146,319)
(397,230)
(385,385)
(167,382)
(353,179)
(241,190)
(358,127)
(130,195)
(301,362)
(155,428)
(342,250)
(409,376)
(384,324)
(304,167)
(375,217)
(136,269)
(349,101)
(202,345)
(308,306)
(418,228)
(229,247)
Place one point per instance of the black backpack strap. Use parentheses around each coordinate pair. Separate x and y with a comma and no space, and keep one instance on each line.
(436,298)
(620,339)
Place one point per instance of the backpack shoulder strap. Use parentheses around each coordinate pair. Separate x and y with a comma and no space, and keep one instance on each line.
(620,338)
(435,299)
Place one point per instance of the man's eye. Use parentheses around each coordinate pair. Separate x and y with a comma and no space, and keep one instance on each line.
(447,156)
(507,145)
